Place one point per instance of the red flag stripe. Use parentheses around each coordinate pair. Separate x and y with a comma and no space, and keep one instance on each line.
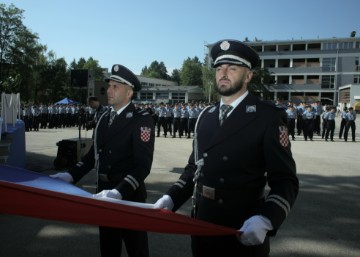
(29,201)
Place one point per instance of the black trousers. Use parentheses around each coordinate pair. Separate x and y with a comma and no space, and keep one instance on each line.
(229,246)
(342,127)
(136,242)
(308,129)
(291,127)
(330,128)
(350,125)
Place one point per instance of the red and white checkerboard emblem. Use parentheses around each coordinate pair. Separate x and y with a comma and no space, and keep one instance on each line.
(145,133)
(284,136)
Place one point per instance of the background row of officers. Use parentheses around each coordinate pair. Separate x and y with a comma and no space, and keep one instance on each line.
(179,120)
(311,119)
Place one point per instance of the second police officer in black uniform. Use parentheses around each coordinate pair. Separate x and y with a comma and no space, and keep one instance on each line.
(122,153)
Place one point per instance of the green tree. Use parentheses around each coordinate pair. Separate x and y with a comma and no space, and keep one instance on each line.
(208,80)
(89,64)
(10,29)
(21,55)
(260,83)
(155,70)
(191,72)
(175,76)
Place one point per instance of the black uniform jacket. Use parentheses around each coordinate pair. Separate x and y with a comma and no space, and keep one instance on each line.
(124,152)
(248,150)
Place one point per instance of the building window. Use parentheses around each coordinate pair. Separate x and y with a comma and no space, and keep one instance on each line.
(346,45)
(299,47)
(329,46)
(328,81)
(328,64)
(357,66)
(356,79)
(344,95)
(146,96)
(162,95)
(178,97)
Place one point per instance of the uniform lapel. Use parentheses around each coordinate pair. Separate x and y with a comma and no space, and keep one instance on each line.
(241,117)
(120,121)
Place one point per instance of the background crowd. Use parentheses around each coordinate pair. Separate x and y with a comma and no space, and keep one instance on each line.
(179,119)
(315,119)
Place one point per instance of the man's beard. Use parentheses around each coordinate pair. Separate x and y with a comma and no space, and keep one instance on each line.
(234,88)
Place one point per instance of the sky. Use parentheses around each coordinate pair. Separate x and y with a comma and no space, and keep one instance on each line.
(135,33)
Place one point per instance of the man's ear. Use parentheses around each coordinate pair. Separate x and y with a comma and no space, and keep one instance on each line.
(249,76)
(130,93)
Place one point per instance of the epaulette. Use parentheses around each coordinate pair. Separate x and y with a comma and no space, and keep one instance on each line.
(143,112)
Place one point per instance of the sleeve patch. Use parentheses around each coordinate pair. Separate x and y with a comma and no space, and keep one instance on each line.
(283,136)
(145,133)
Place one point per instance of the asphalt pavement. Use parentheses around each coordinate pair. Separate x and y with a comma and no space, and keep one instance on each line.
(324,221)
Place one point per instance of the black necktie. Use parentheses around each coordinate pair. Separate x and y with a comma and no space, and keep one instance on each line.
(224,110)
(112,117)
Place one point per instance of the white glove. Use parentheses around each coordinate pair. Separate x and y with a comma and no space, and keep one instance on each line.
(254,230)
(165,202)
(65,176)
(113,193)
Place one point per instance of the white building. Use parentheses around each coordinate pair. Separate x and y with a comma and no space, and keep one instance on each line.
(311,70)
(156,91)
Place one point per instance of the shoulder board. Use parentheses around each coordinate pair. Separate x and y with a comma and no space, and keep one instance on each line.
(143,112)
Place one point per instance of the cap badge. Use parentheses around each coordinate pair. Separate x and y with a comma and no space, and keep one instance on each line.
(116,68)
(225,45)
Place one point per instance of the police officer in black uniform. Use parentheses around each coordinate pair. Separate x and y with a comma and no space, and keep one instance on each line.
(231,163)
(95,104)
(122,154)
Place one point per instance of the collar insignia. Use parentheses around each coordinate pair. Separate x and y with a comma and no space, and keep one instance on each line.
(250,108)
(212,109)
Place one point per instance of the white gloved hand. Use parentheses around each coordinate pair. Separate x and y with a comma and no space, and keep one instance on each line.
(65,176)
(165,202)
(113,193)
(254,230)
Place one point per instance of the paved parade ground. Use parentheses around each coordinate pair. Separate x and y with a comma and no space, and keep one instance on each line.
(324,221)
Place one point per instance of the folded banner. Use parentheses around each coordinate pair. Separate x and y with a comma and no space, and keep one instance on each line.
(27,193)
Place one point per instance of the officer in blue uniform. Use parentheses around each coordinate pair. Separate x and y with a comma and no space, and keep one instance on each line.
(291,116)
(193,114)
(184,120)
(176,119)
(236,152)
(162,114)
(299,121)
(329,119)
(122,153)
(308,123)
(350,124)
(342,122)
